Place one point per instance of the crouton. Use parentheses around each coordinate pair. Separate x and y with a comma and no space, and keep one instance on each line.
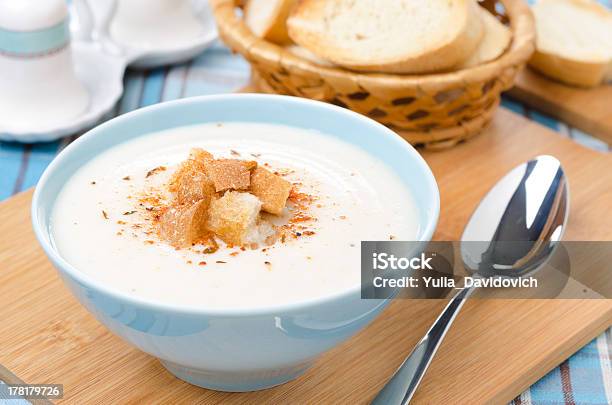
(190,183)
(231,174)
(233,217)
(184,225)
(271,189)
(264,233)
(200,155)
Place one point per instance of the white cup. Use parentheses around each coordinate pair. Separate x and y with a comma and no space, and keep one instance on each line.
(158,24)
(38,84)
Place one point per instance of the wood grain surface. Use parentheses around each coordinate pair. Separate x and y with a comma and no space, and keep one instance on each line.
(589,110)
(7,377)
(495,350)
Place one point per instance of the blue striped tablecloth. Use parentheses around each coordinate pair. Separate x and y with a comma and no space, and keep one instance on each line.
(585,378)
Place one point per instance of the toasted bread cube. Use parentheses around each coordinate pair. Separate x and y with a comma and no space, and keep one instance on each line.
(233,216)
(184,225)
(200,155)
(271,189)
(190,183)
(231,174)
(263,234)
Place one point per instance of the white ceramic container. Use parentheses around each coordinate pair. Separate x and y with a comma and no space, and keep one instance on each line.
(38,84)
(148,34)
(161,24)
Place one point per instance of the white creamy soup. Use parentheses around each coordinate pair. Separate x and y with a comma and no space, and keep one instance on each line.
(97,221)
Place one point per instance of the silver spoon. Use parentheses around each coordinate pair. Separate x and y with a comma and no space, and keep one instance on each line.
(528,206)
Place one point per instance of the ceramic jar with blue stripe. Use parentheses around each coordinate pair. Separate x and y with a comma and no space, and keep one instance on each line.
(39,87)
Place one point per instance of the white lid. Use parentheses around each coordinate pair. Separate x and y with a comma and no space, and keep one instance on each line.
(31,15)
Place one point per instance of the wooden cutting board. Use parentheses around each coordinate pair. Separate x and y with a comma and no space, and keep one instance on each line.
(589,110)
(495,350)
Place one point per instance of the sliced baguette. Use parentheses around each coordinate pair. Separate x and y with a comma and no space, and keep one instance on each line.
(401,36)
(268,19)
(495,41)
(574,41)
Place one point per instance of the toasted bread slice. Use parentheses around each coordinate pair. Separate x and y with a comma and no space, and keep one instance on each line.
(268,19)
(191,183)
(231,174)
(184,225)
(496,39)
(272,190)
(574,41)
(234,216)
(401,36)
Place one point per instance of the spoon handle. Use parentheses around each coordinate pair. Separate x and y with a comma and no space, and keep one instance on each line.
(401,387)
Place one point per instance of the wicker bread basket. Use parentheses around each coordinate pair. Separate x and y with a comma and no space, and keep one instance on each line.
(433,110)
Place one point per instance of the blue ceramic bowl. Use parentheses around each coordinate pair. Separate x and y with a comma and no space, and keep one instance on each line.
(232,350)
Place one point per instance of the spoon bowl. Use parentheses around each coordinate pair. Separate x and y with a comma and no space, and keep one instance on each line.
(518,224)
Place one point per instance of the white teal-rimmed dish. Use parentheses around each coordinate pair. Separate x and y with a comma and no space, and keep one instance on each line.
(100,73)
(49,85)
(232,349)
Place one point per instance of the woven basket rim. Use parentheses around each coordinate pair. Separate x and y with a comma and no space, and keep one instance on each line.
(522,46)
